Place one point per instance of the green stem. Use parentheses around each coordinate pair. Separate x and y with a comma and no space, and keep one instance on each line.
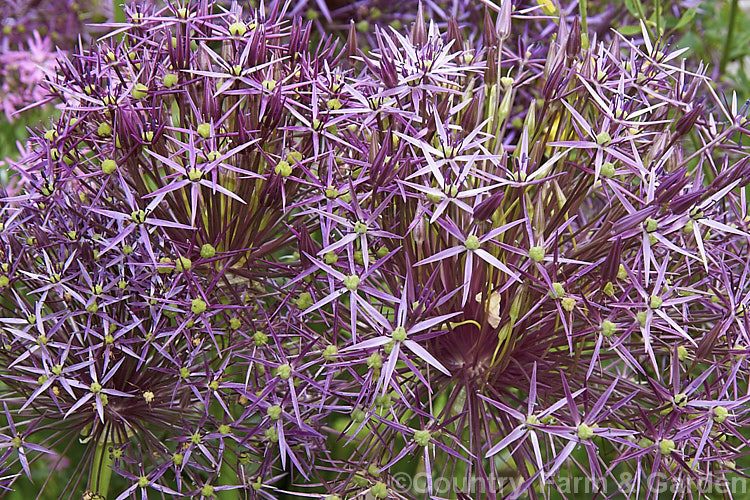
(730,34)
(583,10)
(101,472)
(642,15)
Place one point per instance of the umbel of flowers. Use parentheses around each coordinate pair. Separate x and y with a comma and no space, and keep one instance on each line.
(30,35)
(247,258)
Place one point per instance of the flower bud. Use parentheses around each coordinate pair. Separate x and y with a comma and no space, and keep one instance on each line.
(503,25)
(573,45)
(418,33)
(352,47)
(488,206)
(686,121)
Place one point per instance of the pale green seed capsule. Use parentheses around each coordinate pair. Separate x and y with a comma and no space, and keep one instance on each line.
(204,130)
(305,300)
(655,301)
(139,91)
(558,290)
(472,242)
(351,282)
(183,264)
(208,251)
(198,306)
(104,130)
(283,169)
(608,328)
(536,253)
(330,352)
(284,371)
(237,29)
(379,490)
(682,353)
(169,80)
(608,169)
(109,166)
(399,334)
(422,437)
(260,339)
(666,446)
(274,412)
(269,85)
(584,431)
(375,361)
(568,303)
(720,414)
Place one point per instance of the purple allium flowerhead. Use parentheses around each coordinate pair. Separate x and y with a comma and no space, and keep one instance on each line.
(61,20)
(30,35)
(22,71)
(244,259)
(144,260)
(544,288)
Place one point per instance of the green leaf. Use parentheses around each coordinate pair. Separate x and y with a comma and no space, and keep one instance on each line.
(687,16)
(630,5)
(629,30)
